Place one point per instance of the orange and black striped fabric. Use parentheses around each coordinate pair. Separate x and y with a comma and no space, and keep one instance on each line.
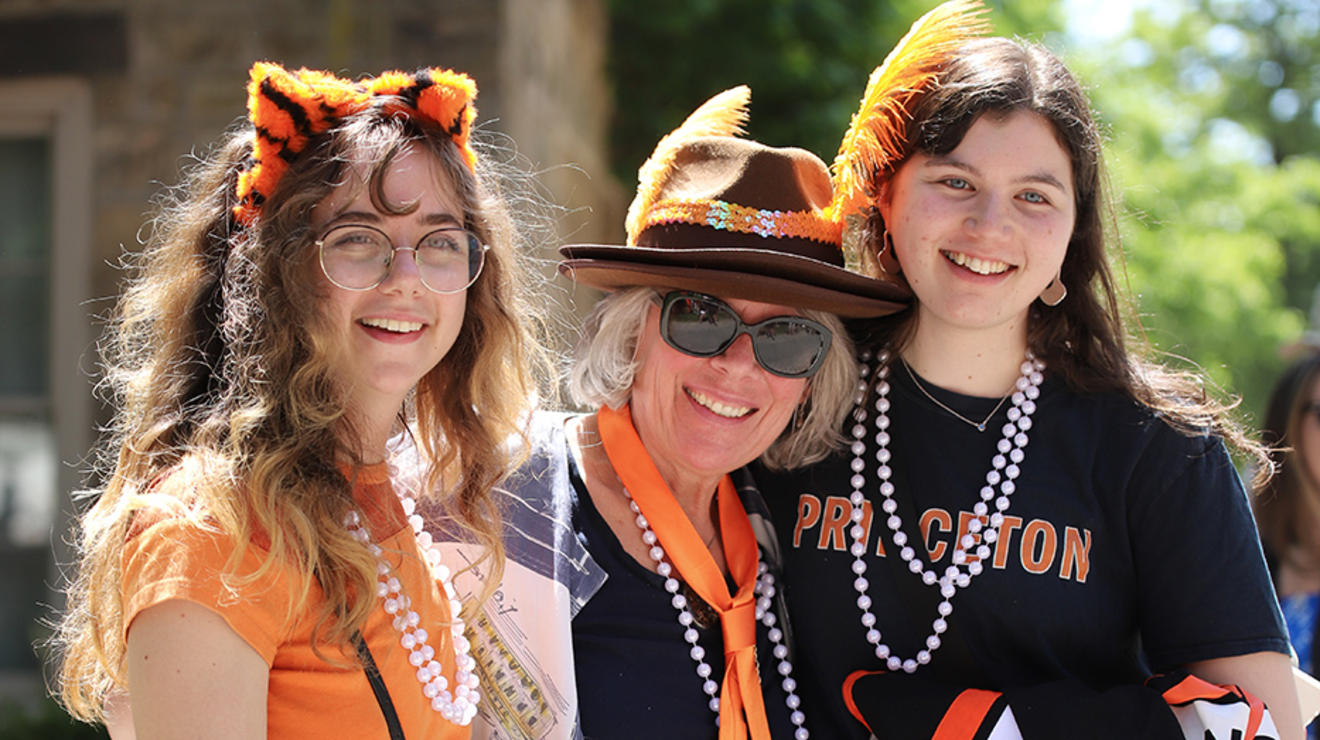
(1171,706)
(287,108)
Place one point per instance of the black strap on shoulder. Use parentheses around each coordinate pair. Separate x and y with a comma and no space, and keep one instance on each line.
(378,687)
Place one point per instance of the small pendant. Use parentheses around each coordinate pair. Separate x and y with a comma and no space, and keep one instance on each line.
(980,427)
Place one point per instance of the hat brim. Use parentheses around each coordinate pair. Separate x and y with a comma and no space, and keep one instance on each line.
(748,274)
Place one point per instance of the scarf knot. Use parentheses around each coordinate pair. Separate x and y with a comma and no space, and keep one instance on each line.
(742,707)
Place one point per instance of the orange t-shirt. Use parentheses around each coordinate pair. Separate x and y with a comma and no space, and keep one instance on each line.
(308,696)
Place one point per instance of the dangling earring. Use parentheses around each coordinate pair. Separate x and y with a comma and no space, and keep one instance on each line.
(888,260)
(1055,292)
(799,415)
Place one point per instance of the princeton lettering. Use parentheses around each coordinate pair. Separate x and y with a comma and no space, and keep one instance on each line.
(1076,554)
(808,516)
(832,531)
(942,521)
(1039,547)
(1039,543)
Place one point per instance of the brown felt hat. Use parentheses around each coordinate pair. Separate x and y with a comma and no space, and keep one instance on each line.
(736,219)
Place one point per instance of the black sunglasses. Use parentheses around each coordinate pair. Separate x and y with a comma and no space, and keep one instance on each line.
(702,326)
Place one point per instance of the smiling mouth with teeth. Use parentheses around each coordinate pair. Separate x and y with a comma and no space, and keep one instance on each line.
(719,409)
(392,325)
(976,264)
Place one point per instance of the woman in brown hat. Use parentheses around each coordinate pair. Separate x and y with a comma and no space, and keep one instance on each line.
(1028,507)
(716,346)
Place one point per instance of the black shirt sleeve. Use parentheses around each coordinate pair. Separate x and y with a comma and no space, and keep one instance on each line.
(1204,591)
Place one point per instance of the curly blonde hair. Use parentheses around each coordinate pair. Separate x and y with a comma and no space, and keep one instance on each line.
(219,369)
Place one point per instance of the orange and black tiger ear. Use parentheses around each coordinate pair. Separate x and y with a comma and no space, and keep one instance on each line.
(288,108)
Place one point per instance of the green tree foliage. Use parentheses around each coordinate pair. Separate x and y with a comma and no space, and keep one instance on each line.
(1219,194)
(44,722)
(806,61)
(1263,56)
(1260,62)
(1210,106)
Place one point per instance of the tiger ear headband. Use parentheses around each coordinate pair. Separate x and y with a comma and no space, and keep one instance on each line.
(876,137)
(288,108)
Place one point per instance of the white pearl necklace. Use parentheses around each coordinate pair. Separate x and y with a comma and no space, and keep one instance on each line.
(458,706)
(1003,472)
(765,592)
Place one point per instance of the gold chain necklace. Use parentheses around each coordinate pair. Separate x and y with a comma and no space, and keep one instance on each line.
(980,427)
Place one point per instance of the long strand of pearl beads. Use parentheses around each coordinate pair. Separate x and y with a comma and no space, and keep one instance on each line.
(764,591)
(458,706)
(765,594)
(1003,472)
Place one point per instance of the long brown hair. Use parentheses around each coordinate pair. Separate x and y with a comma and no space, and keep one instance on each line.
(219,370)
(1082,340)
(1288,505)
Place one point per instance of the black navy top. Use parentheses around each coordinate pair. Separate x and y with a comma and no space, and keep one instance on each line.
(635,677)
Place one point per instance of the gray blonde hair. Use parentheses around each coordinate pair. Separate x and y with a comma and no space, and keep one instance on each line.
(604,365)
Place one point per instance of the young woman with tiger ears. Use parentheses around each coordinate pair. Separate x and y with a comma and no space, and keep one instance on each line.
(333,274)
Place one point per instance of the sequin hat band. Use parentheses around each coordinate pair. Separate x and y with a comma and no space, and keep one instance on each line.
(765,223)
(736,219)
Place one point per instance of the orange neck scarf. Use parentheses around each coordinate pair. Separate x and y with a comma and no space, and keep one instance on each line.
(742,706)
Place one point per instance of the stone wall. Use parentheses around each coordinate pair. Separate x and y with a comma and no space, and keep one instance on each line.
(558,113)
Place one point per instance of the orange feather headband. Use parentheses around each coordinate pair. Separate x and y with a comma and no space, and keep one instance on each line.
(288,108)
(876,138)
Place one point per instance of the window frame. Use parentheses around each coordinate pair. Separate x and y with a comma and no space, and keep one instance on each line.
(59,109)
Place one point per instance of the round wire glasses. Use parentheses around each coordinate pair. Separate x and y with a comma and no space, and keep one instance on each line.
(359,257)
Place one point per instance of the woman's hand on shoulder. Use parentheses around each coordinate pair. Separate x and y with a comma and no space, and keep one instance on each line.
(191,676)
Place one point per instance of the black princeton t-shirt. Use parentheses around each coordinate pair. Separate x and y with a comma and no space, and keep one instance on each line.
(1128,547)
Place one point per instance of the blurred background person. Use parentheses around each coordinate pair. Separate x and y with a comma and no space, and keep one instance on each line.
(1287,505)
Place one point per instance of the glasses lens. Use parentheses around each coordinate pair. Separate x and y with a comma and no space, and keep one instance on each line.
(450,259)
(698,326)
(790,347)
(355,257)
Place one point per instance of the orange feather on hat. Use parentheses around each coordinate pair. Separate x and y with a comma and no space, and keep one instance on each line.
(722,115)
(874,140)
